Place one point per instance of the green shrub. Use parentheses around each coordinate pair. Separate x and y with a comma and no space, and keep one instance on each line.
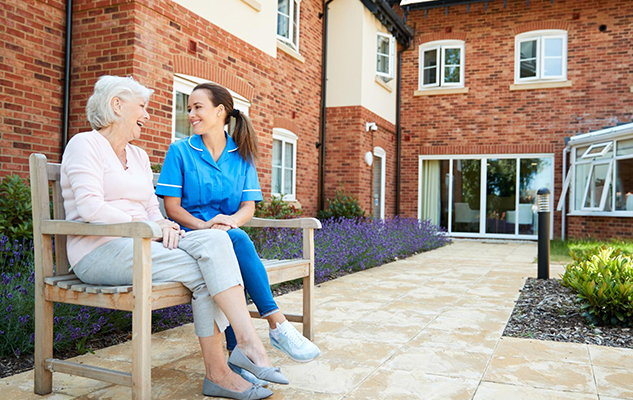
(156,167)
(277,208)
(602,278)
(16,219)
(342,206)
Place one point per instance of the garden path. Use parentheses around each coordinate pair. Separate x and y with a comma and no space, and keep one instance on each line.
(427,327)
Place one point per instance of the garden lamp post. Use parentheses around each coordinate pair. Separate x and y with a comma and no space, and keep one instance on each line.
(542,202)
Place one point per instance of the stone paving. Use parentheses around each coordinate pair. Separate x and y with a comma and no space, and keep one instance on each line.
(427,327)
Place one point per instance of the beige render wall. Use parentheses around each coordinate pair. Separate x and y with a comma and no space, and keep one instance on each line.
(257,28)
(352,61)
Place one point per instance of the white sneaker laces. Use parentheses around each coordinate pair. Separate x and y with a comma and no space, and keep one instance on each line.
(293,336)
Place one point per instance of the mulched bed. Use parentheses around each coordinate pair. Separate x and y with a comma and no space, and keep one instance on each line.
(546,310)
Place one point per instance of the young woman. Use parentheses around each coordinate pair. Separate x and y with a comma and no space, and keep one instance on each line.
(105,179)
(209,180)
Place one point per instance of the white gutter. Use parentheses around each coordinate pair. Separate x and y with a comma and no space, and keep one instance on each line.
(564,210)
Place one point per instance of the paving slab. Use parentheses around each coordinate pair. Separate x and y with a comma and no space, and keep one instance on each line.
(426,327)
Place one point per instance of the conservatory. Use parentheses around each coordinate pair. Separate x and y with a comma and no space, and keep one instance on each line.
(599,180)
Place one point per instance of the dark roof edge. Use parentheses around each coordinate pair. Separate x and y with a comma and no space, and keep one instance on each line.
(442,3)
(390,20)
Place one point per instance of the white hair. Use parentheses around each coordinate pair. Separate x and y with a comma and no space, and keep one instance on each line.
(99,111)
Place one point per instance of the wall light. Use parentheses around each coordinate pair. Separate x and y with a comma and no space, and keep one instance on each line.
(369,158)
(371,126)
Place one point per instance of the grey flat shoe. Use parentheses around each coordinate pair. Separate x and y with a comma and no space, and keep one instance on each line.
(255,392)
(247,376)
(270,374)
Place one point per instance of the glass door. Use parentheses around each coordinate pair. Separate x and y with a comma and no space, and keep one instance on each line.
(500,195)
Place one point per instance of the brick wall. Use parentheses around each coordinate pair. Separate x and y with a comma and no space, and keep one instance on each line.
(31,91)
(599,227)
(492,119)
(347,141)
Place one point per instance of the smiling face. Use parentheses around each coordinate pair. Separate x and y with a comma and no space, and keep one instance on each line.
(203,115)
(132,116)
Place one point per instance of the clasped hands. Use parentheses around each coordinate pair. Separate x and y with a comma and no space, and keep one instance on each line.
(222,222)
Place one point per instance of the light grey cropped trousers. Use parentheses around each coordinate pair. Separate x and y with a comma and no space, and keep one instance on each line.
(204,262)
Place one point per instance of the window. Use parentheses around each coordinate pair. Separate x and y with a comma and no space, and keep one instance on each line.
(600,178)
(284,169)
(288,22)
(385,56)
(442,64)
(183,86)
(541,56)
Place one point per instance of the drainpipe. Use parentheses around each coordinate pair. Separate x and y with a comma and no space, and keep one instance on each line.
(564,208)
(66,112)
(398,118)
(321,143)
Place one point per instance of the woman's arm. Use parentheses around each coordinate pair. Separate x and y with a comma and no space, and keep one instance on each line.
(245,212)
(176,212)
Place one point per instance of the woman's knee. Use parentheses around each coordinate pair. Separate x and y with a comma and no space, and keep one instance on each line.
(239,237)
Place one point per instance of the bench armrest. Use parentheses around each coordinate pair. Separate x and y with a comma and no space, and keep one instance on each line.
(142,229)
(284,223)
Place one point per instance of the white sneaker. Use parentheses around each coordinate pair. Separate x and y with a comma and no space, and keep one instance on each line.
(287,339)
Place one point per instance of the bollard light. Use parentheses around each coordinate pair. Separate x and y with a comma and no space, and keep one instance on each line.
(542,203)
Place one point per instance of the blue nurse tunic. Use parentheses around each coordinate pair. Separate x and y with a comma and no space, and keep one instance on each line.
(206,187)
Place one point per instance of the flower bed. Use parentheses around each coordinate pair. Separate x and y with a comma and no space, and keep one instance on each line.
(342,246)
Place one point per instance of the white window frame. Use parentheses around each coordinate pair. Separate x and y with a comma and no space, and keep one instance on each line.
(391,56)
(441,46)
(381,154)
(539,37)
(610,182)
(291,33)
(186,83)
(286,137)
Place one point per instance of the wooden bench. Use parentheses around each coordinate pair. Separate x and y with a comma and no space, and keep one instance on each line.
(140,298)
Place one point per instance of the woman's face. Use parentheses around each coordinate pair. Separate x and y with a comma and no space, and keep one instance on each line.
(133,116)
(203,115)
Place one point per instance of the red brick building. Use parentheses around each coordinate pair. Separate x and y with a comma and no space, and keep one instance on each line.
(491,90)
(470,123)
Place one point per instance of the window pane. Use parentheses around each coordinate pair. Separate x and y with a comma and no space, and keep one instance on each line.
(528,69)
(276,180)
(383,45)
(596,185)
(430,58)
(287,181)
(276,153)
(288,155)
(500,195)
(383,64)
(624,185)
(535,173)
(580,183)
(183,127)
(283,18)
(430,76)
(451,56)
(553,47)
(466,195)
(553,67)
(451,75)
(528,50)
(625,147)
(435,180)
(580,151)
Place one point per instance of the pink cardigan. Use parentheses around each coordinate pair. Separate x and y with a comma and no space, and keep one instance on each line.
(97,189)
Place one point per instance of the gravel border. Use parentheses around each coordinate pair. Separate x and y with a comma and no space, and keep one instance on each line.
(546,310)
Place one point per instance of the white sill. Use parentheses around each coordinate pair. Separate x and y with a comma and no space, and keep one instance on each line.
(383,84)
(540,85)
(255,5)
(631,89)
(290,51)
(614,214)
(439,92)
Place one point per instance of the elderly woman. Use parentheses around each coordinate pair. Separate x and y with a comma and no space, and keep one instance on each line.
(105,179)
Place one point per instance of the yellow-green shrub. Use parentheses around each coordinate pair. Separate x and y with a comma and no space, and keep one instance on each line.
(603,282)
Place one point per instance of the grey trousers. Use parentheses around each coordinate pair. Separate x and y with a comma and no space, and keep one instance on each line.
(204,262)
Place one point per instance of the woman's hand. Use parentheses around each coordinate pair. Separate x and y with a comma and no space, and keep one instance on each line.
(223,222)
(171,233)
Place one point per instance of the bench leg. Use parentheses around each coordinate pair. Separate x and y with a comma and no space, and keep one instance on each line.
(43,342)
(142,321)
(308,309)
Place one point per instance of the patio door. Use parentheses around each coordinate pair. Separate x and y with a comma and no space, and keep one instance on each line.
(484,196)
